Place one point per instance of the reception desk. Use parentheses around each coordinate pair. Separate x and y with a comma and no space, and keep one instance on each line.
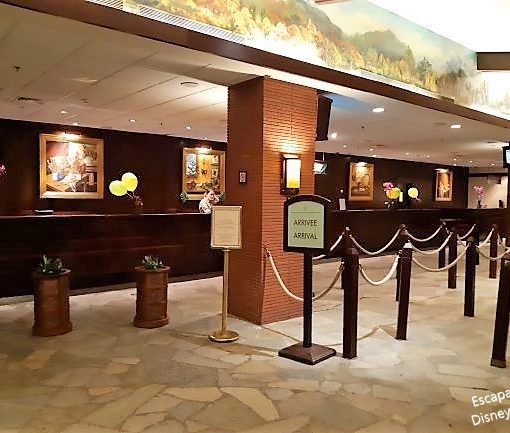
(102,249)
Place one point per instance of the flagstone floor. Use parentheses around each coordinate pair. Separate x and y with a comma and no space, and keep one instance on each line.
(107,376)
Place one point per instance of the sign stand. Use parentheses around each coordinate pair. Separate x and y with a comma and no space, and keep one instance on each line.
(223,335)
(310,216)
(225,235)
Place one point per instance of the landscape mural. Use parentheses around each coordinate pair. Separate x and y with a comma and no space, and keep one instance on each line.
(353,36)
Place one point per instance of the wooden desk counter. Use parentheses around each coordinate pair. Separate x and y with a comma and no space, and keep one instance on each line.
(102,249)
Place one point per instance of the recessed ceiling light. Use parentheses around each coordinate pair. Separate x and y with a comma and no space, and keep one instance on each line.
(378,110)
(345,146)
(63,112)
(470,161)
(132,120)
(428,156)
(374,156)
(407,153)
(455,165)
(455,159)
(334,135)
(189,84)
(76,124)
(456,126)
(371,149)
(188,127)
(492,164)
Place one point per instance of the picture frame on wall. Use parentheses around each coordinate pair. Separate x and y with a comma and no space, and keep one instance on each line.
(202,169)
(444,185)
(71,166)
(361,181)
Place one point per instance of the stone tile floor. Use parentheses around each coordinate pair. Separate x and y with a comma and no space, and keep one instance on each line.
(107,376)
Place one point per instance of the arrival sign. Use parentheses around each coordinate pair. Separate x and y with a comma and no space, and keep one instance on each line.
(305,223)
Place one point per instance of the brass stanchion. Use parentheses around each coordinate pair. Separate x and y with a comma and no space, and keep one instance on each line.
(224,335)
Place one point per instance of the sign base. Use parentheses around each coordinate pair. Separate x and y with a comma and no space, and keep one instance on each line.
(307,355)
(224,337)
(498,363)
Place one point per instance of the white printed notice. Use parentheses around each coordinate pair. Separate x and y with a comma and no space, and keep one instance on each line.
(226,227)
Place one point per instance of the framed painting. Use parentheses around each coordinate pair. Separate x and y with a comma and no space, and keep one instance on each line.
(361,181)
(71,167)
(444,185)
(202,169)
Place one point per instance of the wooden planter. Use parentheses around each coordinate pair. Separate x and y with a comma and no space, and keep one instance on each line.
(151,297)
(51,305)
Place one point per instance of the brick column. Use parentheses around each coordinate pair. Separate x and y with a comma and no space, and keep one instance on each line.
(266,118)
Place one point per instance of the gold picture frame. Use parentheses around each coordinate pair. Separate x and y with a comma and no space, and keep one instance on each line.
(361,181)
(202,169)
(71,166)
(444,185)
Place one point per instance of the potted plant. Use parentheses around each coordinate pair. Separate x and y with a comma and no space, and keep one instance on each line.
(151,293)
(51,299)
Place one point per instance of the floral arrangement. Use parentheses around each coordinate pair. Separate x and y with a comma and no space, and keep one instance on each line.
(392,193)
(479,191)
(3,170)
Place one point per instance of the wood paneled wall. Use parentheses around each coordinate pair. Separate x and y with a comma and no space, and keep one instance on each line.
(156,159)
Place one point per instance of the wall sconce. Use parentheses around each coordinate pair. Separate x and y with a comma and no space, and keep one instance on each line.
(291,174)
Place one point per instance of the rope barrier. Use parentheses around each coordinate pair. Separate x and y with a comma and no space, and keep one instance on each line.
(289,292)
(445,268)
(428,253)
(487,239)
(432,236)
(333,247)
(494,259)
(375,253)
(468,233)
(385,279)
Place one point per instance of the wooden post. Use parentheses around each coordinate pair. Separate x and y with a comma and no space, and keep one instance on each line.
(493,252)
(443,234)
(346,242)
(403,238)
(406,259)
(502,316)
(470,277)
(476,234)
(350,285)
(452,256)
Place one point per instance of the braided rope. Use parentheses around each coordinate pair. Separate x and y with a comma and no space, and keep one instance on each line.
(428,253)
(487,239)
(468,233)
(333,247)
(375,253)
(493,259)
(289,292)
(451,265)
(432,236)
(385,279)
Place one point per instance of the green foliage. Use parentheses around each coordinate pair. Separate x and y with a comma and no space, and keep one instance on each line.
(184,196)
(152,263)
(50,266)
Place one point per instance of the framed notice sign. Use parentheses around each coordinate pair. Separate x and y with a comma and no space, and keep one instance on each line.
(305,223)
(226,227)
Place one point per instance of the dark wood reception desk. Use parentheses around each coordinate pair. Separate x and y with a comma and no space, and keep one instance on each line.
(102,249)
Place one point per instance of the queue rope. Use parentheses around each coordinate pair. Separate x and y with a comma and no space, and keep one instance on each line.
(385,279)
(493,259)
(289,292)
(445,268)
(375,253)
(333,247)
(468,233)
(487,239)
(432,236)
(428,253)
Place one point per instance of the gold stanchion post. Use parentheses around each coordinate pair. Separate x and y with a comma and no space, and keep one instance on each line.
(224,335)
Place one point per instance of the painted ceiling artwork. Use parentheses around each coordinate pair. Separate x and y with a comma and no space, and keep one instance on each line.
(352,36)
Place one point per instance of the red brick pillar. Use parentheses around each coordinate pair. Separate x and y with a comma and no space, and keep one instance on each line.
(266,119)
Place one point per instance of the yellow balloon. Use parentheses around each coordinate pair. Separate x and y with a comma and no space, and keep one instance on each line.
(130,181)
(117,188)
(393,193)
(413,192)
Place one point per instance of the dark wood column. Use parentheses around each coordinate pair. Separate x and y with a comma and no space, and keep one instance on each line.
(266,119)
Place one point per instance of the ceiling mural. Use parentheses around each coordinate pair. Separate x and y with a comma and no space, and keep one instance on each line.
(352,36)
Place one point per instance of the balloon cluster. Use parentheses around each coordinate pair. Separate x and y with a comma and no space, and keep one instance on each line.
(127,184)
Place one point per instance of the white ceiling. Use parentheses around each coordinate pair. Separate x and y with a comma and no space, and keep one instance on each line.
(479,25)
(103,78)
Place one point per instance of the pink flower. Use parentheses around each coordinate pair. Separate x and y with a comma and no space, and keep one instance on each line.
(387,185)
(3,170)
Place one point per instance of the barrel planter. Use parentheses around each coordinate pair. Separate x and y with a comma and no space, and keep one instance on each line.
(151,297)
(51,304)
